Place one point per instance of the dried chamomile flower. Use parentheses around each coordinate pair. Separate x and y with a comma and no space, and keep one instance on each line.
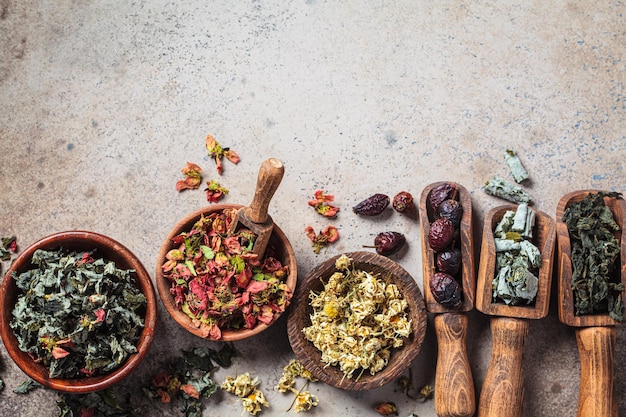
(357,319)
(245,387)
(305,401)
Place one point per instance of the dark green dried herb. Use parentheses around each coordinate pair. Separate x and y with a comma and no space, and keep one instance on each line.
(189,378)
(595,251)
(77,315)
(96,404)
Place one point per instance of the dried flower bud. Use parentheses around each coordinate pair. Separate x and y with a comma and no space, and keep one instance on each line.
(386,409)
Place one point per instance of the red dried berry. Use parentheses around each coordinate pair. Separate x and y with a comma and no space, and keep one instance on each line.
(441,234)
(387,243)
(403,202)
(372,206)
(451,210)
(441,193)
(445,290)
(449,261)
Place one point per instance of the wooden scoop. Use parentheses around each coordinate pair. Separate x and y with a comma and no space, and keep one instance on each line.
(502,393)
(454,387)
(255,217)
(595,334)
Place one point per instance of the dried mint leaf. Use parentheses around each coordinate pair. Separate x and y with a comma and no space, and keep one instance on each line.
(76,314)
(26,386)
(595,250)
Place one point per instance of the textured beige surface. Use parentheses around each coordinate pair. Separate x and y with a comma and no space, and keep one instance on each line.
(103,102)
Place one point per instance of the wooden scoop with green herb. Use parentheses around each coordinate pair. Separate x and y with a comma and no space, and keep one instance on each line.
(255,217)
(592,278)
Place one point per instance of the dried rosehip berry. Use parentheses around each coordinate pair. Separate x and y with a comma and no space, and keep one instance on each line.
(372,206)
(445,290)
(441,234)
(403,202)
(449,261)
(441,193)
(387,243)
(451,210)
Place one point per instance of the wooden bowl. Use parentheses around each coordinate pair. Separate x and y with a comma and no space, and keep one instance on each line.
(278,246)
(107,248)
(466,244)
(400,359)
(544,235)
(566,295)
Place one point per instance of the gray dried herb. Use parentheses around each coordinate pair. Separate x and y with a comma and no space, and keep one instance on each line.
(77,315)
(517,259)
(596,280)
(515,165)
(26,386)
(499,187)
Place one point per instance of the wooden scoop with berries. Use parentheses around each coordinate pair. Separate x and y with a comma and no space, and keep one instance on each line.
(255,217)
(445,211)
(502,392)
(595,330)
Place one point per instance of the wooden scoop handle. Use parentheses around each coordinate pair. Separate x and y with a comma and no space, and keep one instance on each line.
(502,394)
(596,347)
(454,386)
(270,175)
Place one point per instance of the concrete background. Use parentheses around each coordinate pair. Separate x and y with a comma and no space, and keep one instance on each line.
(103,102)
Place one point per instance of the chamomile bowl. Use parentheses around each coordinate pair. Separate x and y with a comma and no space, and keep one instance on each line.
(317,280)
(99,246)
(200,324)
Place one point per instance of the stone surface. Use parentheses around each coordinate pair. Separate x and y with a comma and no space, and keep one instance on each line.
(104,102)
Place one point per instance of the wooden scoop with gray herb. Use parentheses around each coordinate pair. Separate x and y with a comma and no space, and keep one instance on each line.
(255,217)
(592,278)
(514,280)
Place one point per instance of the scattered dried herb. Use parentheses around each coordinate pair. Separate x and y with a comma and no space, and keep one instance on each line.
(501,188)
(27,386)
(406,386)
(193,177)
(329,234)
(217,152)
(219,282)
(96,404)
(372,206)
(77,315)
(188,379)
(515,165)
(320,204)
(517,259)
(8,247)
(595,250)
(303,400)
(357,319)
(214,191)
(246,388)
(386,409)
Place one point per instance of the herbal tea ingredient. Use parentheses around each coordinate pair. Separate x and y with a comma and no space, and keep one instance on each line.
(219,283)
(594,253)
(193,177)
(214,191)
(501,188)
(189,378)
(303,400)
(217,152)
(357,319)
(329,234)
(77,315)
(321,206)
(517,259)
(246,388)
(515,165)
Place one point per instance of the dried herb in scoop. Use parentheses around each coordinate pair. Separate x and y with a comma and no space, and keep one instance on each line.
(77,315)
(595,251)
